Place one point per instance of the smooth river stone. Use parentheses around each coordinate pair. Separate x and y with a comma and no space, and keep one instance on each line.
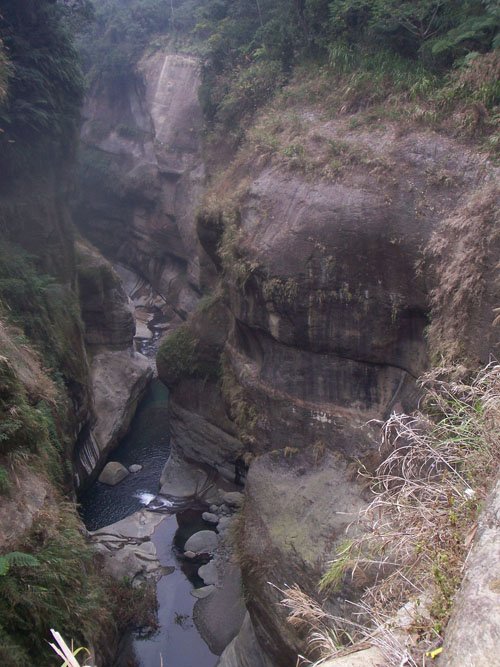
(208,573)
(203,541)
(210,518)
(113,473)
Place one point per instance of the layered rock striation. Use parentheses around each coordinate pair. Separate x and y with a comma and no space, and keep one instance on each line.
(318,325)
(142,176)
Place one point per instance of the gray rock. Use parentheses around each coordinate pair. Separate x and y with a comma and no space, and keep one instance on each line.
(123,555)
(181,478)
(211,518)
(202,592)
(105,307)
(113,473)
(244,649)
(208,573)
(203,541)
(189,554)
(135,467)
(119,379)
(214,508)
(473,632)
(234,499)
(224,523)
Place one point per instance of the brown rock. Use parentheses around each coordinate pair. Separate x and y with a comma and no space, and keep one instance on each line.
(113,473)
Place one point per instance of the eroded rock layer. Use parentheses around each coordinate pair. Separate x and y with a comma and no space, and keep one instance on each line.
(318,326)
(142,176)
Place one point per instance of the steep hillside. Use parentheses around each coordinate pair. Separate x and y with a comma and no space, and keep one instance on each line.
(63,321)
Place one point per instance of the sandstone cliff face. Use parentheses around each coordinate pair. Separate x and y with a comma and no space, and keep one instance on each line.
(143,175)
(328,284)
(118,374)
(106,312)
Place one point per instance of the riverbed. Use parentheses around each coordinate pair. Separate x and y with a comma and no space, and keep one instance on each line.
(177,642)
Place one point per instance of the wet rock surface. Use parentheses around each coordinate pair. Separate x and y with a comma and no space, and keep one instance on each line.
(127,546)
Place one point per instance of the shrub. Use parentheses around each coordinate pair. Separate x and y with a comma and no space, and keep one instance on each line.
(53,582)
(176,357)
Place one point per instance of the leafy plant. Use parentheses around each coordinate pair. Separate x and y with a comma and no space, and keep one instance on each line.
(16,559)
(39,113)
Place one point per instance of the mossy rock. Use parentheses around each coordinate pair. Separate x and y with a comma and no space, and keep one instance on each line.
(181,356)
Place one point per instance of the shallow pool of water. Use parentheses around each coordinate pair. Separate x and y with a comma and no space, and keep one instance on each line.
(177,642)
(148,444)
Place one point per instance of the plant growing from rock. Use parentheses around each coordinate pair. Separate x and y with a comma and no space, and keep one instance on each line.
(418,529)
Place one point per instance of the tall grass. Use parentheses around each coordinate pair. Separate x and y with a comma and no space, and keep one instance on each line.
(418,530)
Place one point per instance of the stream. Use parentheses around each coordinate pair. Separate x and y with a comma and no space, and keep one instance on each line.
(177,642)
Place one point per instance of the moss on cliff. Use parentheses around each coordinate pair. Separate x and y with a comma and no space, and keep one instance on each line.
(46,311)
(180,357)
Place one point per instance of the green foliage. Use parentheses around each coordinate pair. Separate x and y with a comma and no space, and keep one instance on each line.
(5,485)
(248,89)
(281,292)
(16,559)
(112,44)
(47,311)
(400,43)
(39,116)
(51,583)
(179,356)
(332,580)
(176,357)
(242,412)
(417,29)
(26,427)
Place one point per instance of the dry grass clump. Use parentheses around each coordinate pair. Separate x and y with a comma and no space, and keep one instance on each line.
(463,254)
(420,525)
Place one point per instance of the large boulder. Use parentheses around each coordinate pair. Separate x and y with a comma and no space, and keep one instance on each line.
(244,650)
(113,473)
(127,548)
(296,514)
(119,380)
(204,541)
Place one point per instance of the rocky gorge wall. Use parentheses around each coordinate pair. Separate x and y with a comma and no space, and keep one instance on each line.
(142,176)
(323,264)
(316,333)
